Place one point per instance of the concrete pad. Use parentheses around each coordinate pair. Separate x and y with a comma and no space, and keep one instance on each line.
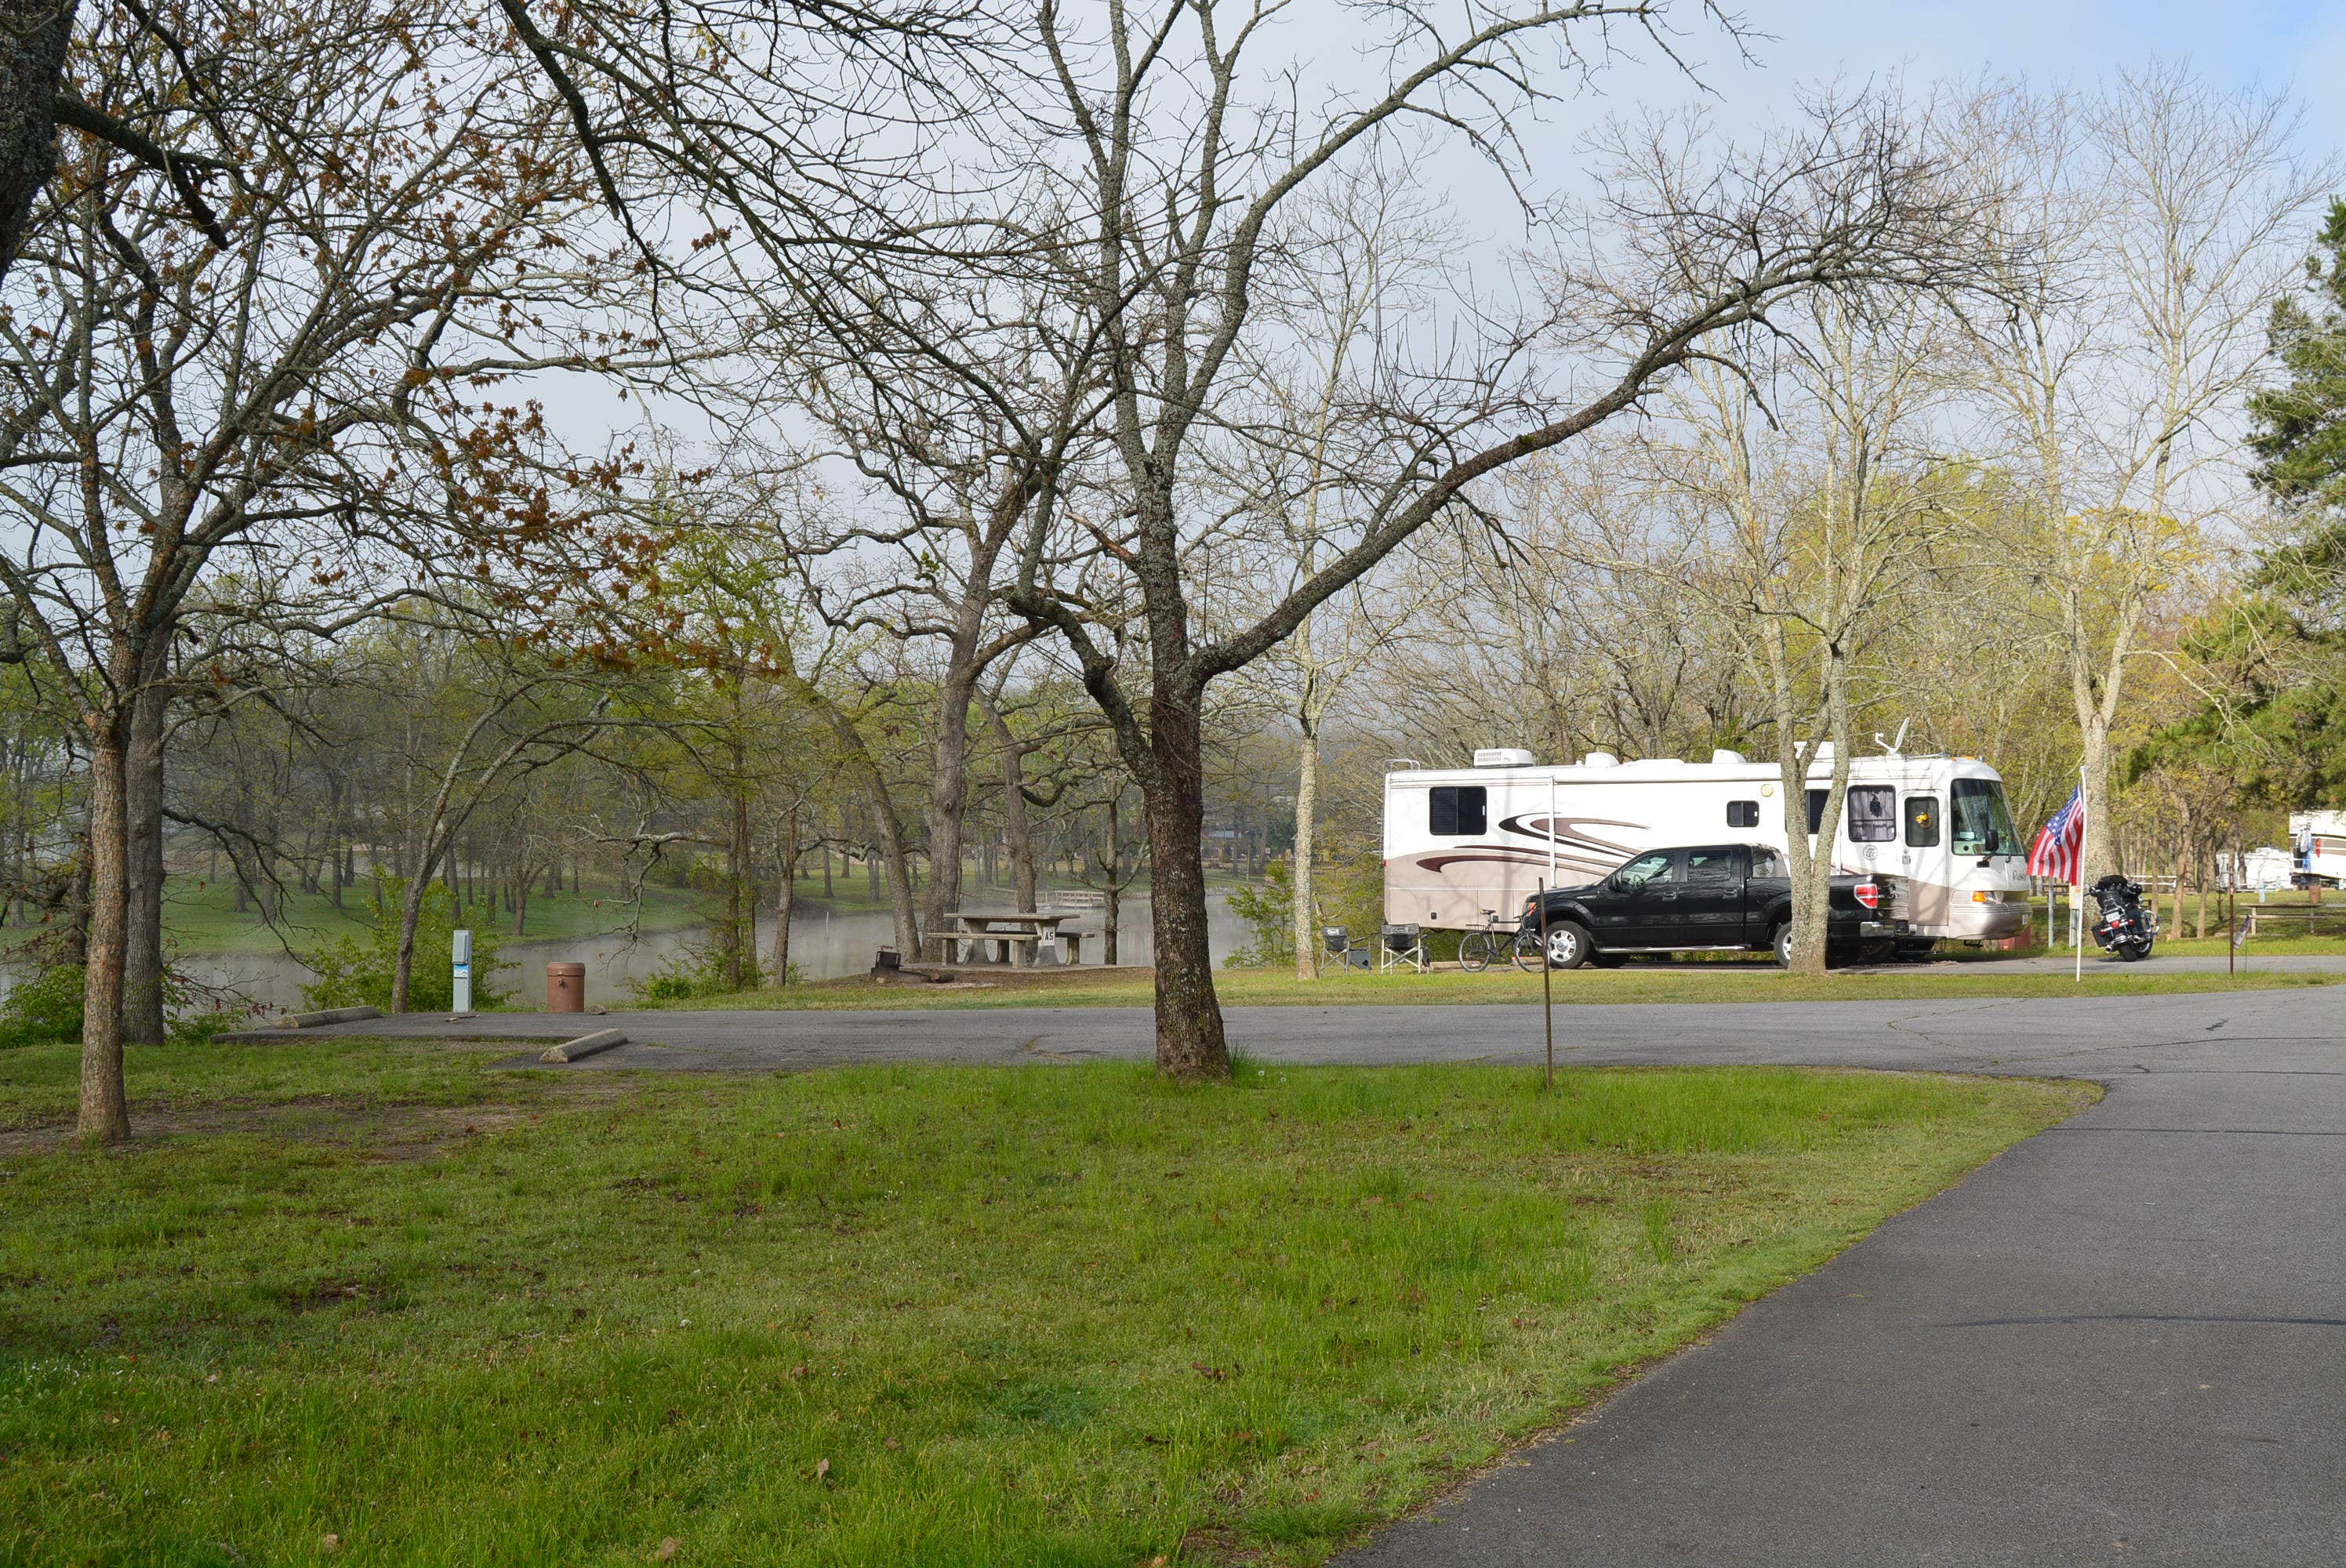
(585,1045)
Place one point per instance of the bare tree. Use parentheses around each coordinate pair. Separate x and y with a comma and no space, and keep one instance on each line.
(1808,515)
(2161,216)
(1690,249)
(172,408)
(1365,251)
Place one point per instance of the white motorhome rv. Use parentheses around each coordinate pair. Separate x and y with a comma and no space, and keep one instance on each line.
(2317,842)
(1458,841)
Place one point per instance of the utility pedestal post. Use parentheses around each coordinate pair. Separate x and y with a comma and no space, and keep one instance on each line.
(461,951)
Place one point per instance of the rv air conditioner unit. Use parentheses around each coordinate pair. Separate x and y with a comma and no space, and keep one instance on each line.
(1600,759)
(1503,757)
(1724,759)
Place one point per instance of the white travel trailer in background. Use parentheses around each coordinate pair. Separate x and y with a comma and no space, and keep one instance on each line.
(2263,871)
(2316,842)
(1458,841)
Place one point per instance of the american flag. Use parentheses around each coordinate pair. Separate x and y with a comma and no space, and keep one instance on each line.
(2055,853)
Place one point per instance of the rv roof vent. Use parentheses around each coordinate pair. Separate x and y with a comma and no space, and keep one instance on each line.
(1503,757)
(1725,758)
(1600,759)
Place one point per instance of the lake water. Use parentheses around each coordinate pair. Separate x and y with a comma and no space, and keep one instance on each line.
(823,946)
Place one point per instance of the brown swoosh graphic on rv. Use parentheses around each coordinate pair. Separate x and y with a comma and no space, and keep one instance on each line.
(1500,855)
(1570,831)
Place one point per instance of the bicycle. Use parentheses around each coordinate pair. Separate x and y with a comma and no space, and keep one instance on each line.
(1494,943)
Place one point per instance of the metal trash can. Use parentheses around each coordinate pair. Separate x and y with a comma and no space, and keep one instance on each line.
(566,987)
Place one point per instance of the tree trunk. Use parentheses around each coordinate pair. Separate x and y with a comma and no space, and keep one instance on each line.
(33,38)
(786,856)
(2098,859)
(142,832)
(411,910)
(1016,830)
(76,942)
(738,908)
(1191,1041)
(1306,805)
(1111,915)
(895,864)
(2200,886)
(104,1115)
(1810,867)
(947,795)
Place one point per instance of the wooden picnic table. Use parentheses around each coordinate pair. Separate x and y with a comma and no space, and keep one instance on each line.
(1014,932)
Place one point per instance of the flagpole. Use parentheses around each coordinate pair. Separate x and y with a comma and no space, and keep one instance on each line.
(2077,887)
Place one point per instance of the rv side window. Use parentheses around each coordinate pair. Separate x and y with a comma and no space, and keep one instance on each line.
(1459,811)
(1921,821)
(1873,814)
(1817,809)
(1743,813)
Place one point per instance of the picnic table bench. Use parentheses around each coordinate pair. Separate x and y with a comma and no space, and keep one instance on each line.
(1017,934)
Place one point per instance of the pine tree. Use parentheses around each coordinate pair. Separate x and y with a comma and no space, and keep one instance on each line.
(2299,429)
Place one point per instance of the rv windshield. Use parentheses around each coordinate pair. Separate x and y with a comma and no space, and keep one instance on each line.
(1982,822)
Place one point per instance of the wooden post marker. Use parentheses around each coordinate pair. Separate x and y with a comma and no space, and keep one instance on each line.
(1547,985)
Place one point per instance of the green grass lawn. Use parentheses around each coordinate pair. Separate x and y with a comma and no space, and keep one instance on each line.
(1755,981)
(435,1313)
(200,917)
(2265,944)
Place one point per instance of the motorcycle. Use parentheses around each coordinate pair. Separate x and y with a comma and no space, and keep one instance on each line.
(2125,928)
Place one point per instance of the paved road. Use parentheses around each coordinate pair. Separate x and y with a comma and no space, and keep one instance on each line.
(2250,960)
(2123,1341)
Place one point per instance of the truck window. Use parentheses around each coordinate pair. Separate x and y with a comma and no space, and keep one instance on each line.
(1459,811)
(1982,821)
(1654,868)
(1721,865)
(1921,821)
(1873,814)
(1766,862)
(1743,813)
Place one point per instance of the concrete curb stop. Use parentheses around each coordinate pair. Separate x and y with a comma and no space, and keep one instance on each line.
(330,1015)
(585,1045)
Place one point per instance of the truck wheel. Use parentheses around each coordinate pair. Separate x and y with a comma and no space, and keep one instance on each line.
(1567,946)
(1781,944)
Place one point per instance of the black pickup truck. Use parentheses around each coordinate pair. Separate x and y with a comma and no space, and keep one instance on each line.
(1712,897)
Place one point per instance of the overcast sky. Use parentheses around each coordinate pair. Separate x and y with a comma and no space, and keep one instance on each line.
(2299,46)
(2297,43)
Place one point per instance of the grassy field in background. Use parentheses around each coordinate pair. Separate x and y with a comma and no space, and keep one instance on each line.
(1754,981)
(388,1299)
(199,917)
